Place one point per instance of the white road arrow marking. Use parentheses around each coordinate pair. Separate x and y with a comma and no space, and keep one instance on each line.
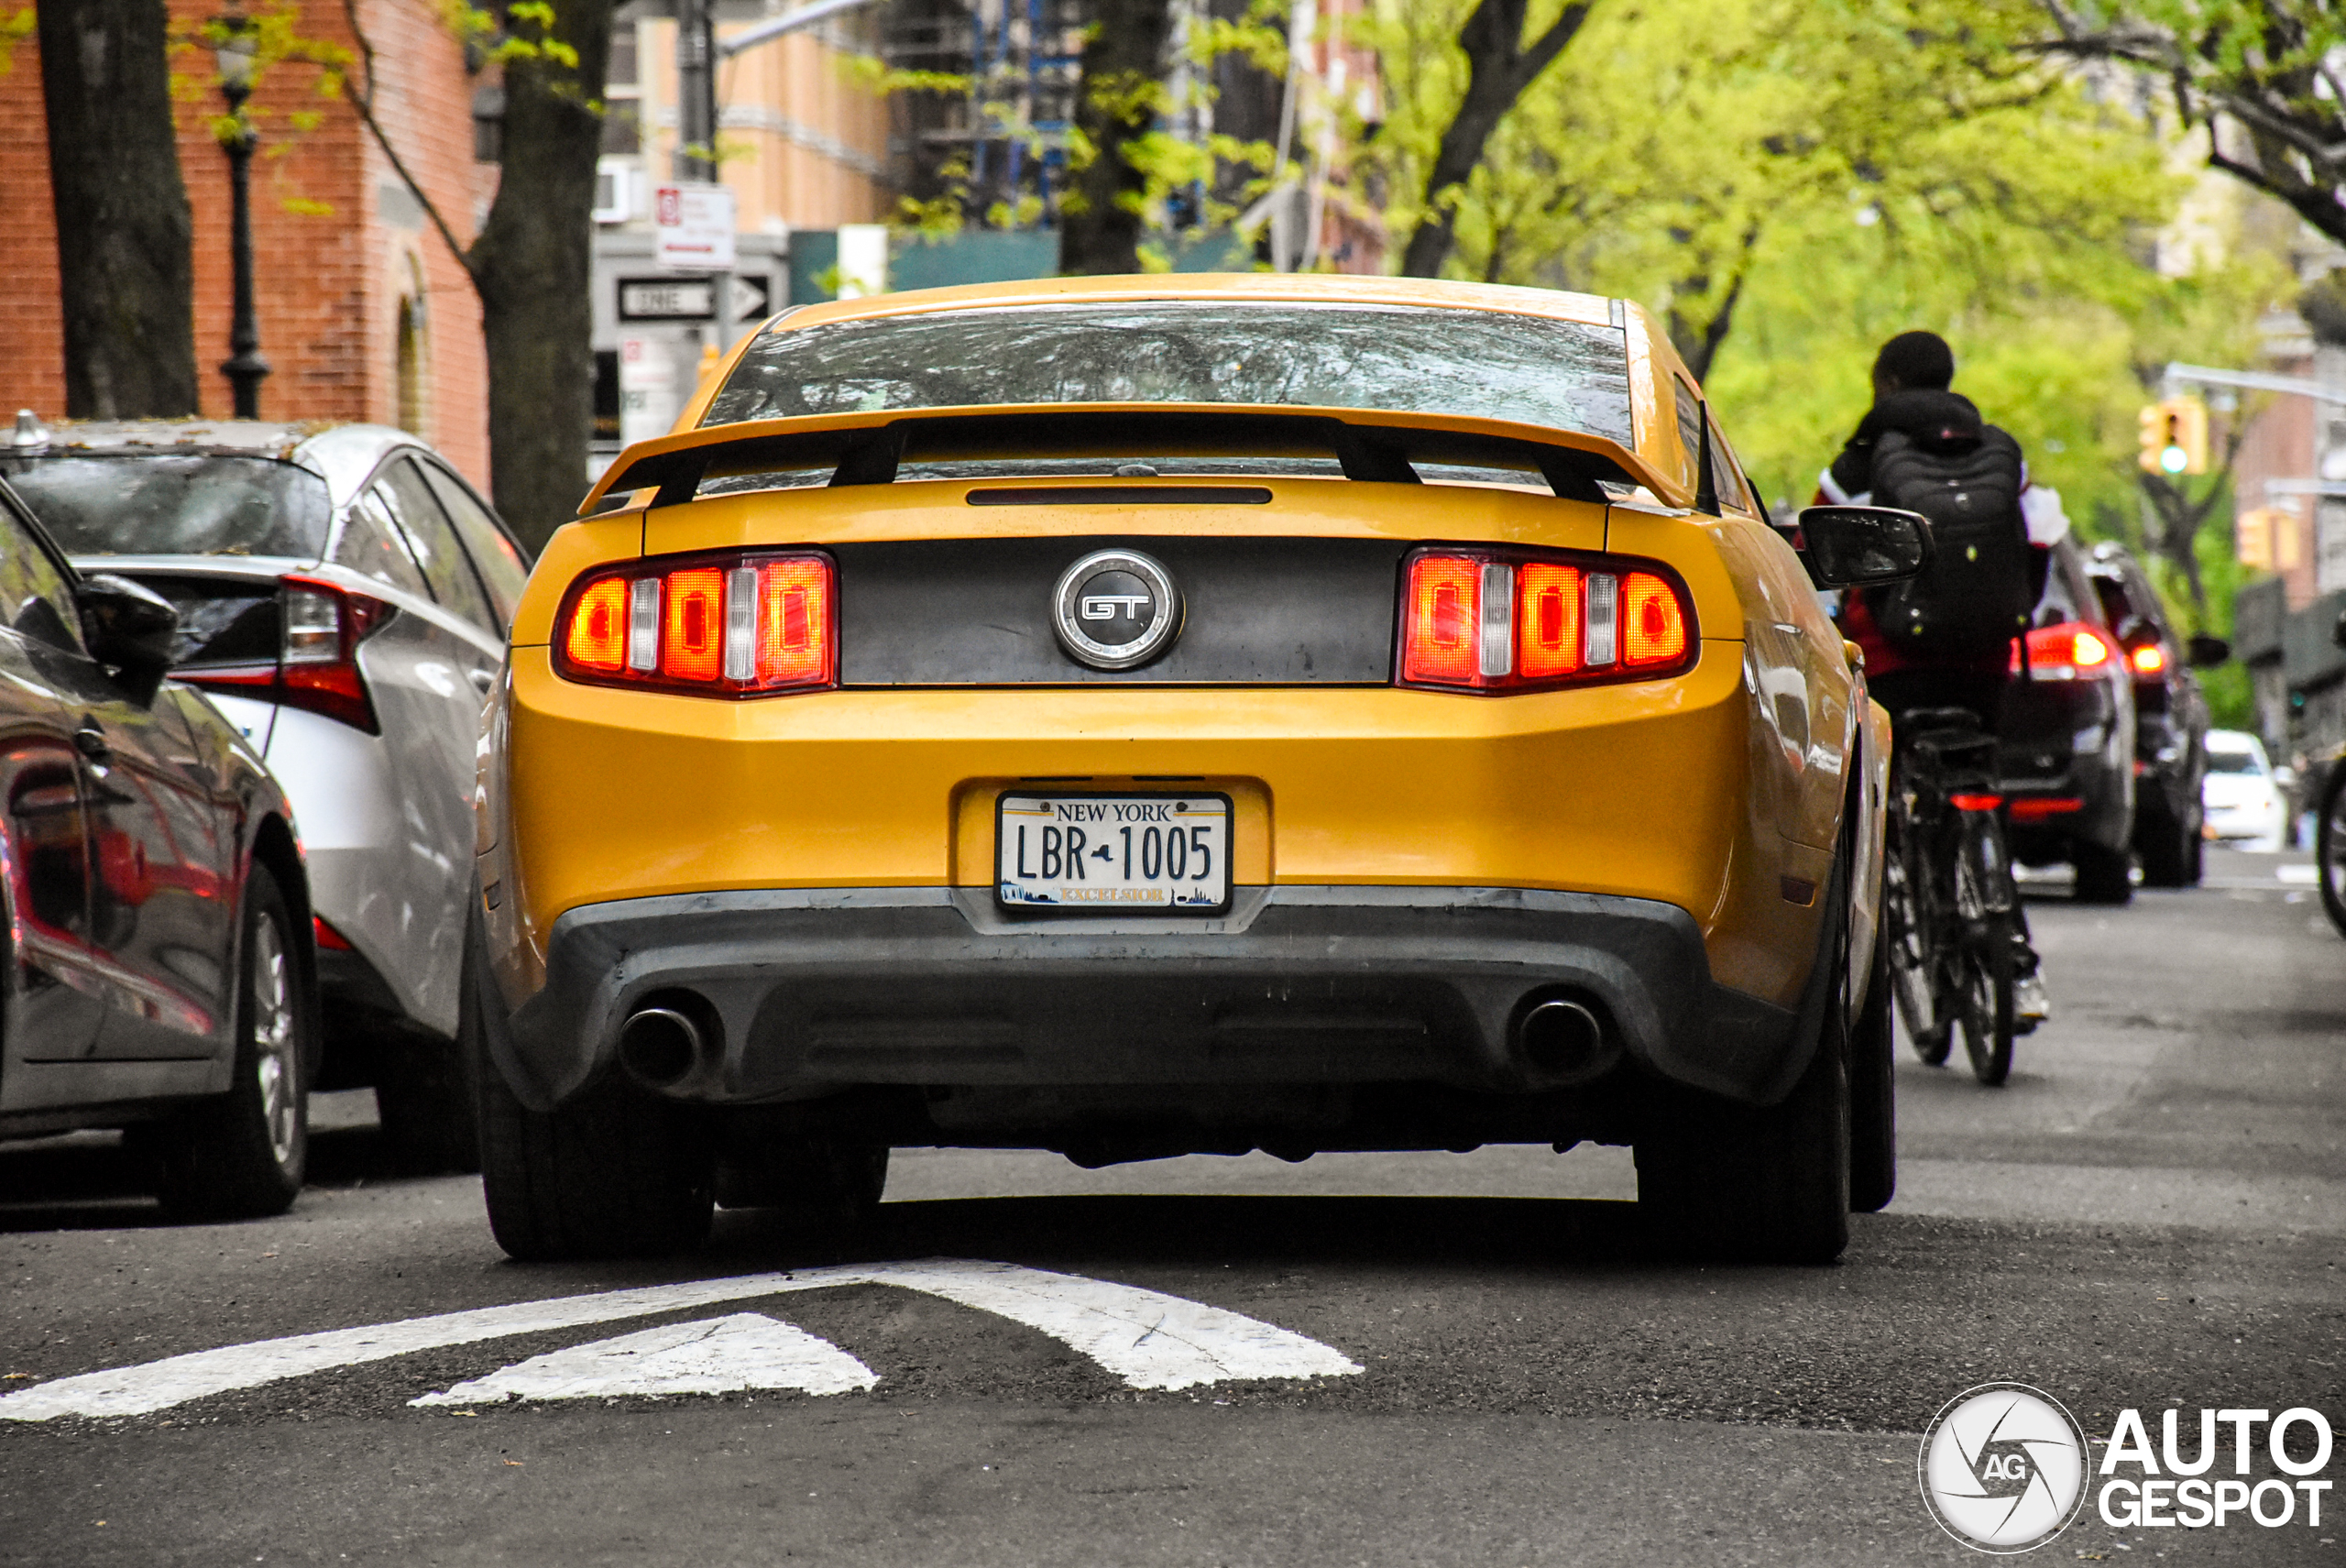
(720,1355)
(1153,1341)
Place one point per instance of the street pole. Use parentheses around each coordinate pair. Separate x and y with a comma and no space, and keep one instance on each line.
(245,368)
(697,132)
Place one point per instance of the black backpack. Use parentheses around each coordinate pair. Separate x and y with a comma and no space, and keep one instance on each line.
(1976,595)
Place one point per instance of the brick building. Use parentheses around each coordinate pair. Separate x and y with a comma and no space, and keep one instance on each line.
(363,314)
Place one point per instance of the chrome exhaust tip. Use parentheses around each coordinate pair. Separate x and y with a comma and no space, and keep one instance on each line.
(1562,1039)
(659,1046)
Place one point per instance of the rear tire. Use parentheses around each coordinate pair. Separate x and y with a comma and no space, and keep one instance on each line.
(1733,1182)
(2170,856)
(1873,1098)
(614,1172)
(241,1155)
(2330,845)
(1987,971)
(2101,874)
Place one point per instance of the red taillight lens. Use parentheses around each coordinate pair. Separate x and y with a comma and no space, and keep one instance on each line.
(320,626)
(328,938)
(1547,621)
(1441,634)
(740,625)
(598,638)
(1975,802)
(1653,626)
(1493,621)
(2068,651)
(2149,659)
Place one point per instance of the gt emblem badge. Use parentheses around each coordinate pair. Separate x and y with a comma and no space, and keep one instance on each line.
(1115,610)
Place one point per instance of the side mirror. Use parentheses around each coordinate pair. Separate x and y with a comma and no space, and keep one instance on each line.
(130,628)
(2207,653)
(1857,546)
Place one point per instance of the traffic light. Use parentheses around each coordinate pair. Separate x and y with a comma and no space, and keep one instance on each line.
(2174,437)
(2253,538)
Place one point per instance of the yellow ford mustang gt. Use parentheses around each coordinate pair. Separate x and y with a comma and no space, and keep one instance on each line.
(1146,716)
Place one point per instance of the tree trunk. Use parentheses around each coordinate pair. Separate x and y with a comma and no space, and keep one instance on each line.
(124,230)
(1498,68)
(1123,63)
(534,267)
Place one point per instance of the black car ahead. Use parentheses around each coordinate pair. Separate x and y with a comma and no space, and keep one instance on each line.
(2170,715)
(158,975)
(2067,753)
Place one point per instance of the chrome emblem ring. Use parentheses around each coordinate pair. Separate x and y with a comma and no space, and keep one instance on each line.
(1117,609)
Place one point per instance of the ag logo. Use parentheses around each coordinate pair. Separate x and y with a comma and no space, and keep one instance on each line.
(1115,610)
(2004,1467)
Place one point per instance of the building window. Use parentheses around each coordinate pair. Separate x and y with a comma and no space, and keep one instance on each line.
(622,127)
(623,66)
(411,364)
(488,124)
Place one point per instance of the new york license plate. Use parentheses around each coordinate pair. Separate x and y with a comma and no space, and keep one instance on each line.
(1104,854)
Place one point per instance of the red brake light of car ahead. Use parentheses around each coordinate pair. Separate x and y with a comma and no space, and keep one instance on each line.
(2071,651)
(744,624)
(1975,802)
(2148,660)
(320,625)
(1490,620)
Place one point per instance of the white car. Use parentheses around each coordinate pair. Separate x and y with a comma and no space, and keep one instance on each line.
(2240,797)
(344,598)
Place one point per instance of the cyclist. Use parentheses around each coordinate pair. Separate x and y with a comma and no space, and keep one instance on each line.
(1945,639)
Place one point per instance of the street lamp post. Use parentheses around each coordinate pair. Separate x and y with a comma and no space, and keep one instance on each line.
(245,368)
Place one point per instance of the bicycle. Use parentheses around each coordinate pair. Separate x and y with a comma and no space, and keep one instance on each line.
(2329,842)
(1948,897)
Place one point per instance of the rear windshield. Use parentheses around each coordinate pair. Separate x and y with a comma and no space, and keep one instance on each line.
(1407,359)
(2232,762)
(174,503)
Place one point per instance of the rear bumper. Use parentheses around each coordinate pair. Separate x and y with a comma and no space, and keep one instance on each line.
(815,991)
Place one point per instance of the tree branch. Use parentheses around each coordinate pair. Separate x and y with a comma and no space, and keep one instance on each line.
(364,104)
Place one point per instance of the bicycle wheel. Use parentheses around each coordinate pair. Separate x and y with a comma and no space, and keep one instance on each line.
(2330,845)
(1985,968)
(1910,969)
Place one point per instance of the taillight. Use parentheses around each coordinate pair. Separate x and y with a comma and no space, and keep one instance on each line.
(1491,620)
(744,624)
(2150,659)
(2070,651)
(328,940)
(320,625)
(1975,802)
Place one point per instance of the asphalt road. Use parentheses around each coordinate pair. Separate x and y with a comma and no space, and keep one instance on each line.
(2151,1214)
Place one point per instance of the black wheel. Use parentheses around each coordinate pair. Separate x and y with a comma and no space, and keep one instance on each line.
(241,1154)
(1723,1180)
(613,1172)
(1873,1100)
(2330,845)
(1986,966)
(2197,865)
(424,1099)
(2171,854)
(1927,1026)
(2101,874)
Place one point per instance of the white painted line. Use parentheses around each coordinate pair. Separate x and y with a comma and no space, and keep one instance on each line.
(2303,876)
(1153,1341)
(720,1355)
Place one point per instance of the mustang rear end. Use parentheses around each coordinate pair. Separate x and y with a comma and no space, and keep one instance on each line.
(1141,770)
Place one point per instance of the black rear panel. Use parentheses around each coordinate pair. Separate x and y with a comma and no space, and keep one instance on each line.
(1259,612)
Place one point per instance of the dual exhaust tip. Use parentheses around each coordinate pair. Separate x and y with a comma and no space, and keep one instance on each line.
(1563,1036)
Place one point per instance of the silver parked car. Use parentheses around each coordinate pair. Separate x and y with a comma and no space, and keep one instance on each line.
(344,598)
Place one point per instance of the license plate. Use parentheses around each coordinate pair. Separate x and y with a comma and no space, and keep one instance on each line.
(1108,854)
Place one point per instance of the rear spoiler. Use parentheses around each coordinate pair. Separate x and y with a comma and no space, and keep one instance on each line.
(867,448)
